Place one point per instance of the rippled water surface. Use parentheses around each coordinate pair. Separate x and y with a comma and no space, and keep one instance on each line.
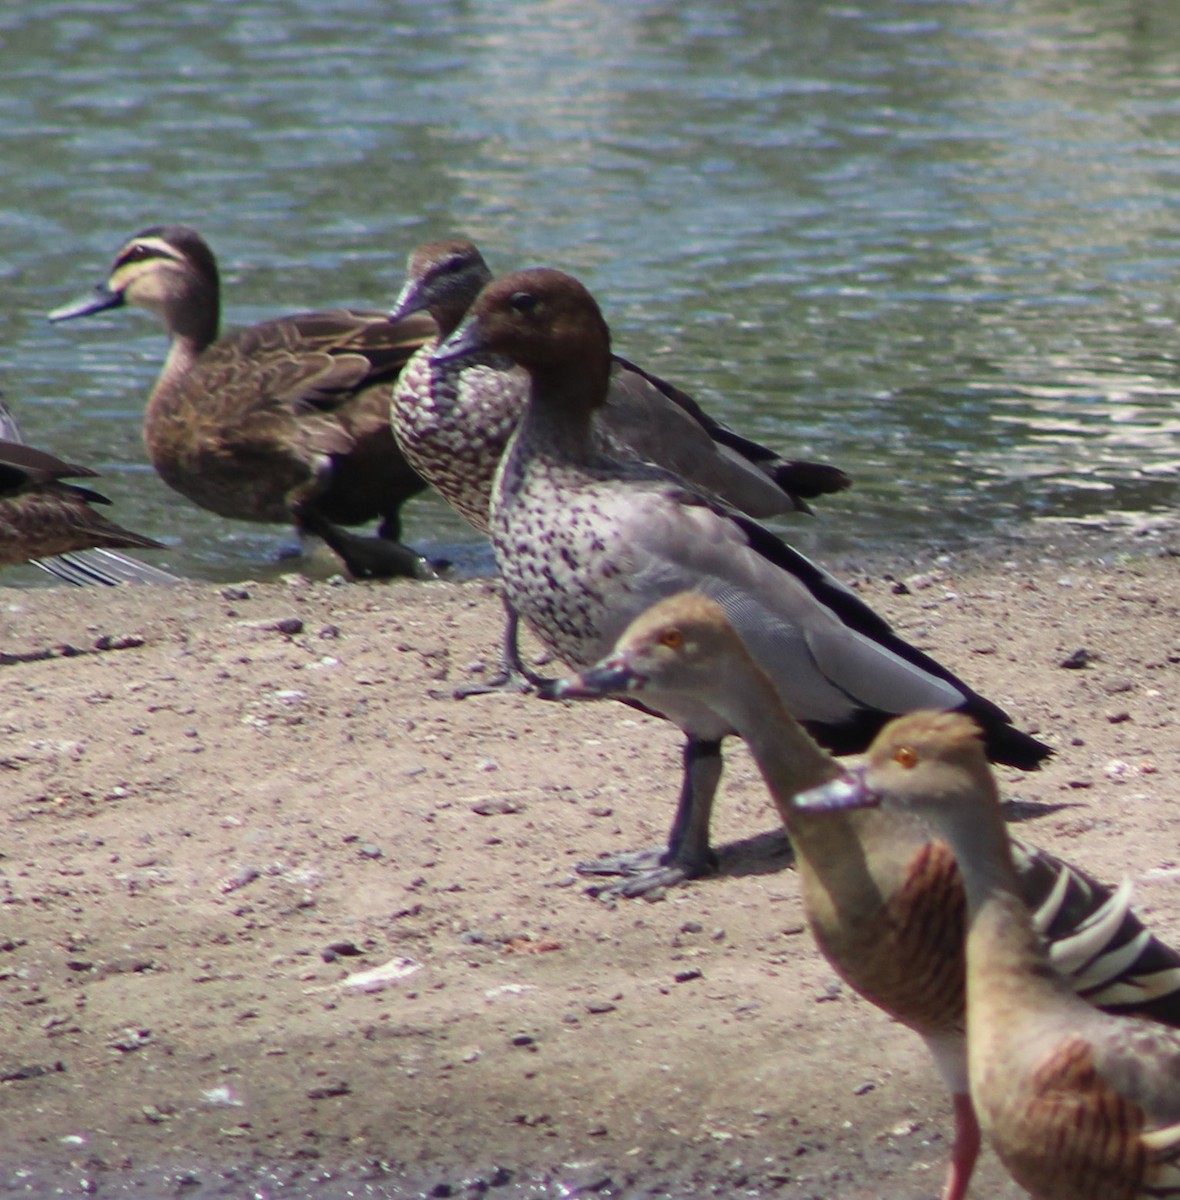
(935,243)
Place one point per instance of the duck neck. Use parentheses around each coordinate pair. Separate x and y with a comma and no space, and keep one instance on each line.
(449,308)
(194,317)
(558,420)
(448,318)
(192,323)
(789,759)
(1005,955)
(183,353)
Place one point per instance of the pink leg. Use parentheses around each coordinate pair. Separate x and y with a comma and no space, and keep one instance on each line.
(965,1150)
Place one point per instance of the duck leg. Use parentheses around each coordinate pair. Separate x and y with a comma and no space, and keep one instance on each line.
(688,854)
(512,675)
(367,557)
(965,1150)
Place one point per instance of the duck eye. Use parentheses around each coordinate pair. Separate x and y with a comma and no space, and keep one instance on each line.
(905,756)
(672,638)
(523,302)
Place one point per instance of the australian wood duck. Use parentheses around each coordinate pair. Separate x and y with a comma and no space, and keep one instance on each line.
(883,896)
(285,421)
(585,541)
(453,419)
(1079,1104)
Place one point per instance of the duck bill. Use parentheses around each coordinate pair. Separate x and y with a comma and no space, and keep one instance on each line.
(609,678)
(409,300)
(99,300)
(847,793)
(465,342)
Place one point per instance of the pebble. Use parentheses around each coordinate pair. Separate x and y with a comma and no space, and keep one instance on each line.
(497,807)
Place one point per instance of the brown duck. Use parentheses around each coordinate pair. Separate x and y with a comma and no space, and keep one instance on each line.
(41,516)
(882,891)
(1079,1104)
(284,421)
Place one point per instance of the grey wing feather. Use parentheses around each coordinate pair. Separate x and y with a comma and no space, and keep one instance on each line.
(823,668)
(104,568)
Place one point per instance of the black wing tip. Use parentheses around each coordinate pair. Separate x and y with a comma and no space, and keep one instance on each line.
(1011,747)
(810,479)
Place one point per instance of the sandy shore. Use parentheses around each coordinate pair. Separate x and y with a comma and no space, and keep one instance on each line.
(222,803)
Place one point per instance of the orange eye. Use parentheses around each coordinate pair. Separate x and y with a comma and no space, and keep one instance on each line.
(905,756)
(672,638)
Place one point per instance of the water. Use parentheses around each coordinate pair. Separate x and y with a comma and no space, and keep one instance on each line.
(934,243)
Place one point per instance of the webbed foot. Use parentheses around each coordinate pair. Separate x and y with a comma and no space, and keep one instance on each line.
(642,872)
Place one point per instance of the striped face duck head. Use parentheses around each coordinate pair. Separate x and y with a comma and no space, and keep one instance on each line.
(166,269)
(543,319)
(442,278)
(681,644)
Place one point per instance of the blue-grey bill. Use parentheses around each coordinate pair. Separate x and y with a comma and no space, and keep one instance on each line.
(98,300)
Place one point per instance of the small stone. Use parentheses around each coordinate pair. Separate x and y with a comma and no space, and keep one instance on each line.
(335,950)
(239,879)
(1077,661)
(30,1071)
(130,1039)
(109,641)
(497,807)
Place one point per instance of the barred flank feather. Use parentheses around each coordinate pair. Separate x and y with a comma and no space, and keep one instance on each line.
(1095,938)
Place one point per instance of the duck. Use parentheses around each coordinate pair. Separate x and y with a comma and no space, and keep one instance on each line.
(881,889)
(285,421)
(1077,1103)
(43,517)
(585,541)
(453,419)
